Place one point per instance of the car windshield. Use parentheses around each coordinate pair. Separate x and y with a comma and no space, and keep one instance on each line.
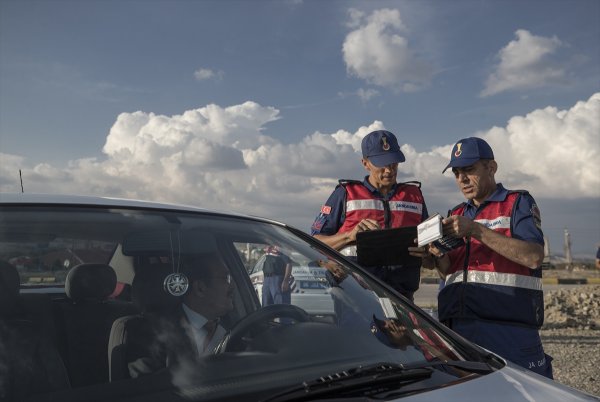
(112,290)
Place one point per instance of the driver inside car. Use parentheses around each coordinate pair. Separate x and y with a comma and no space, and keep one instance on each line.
(193,328)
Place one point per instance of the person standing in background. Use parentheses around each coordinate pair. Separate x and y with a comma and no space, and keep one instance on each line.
(277,272)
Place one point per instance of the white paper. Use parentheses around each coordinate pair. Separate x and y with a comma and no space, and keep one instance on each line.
(429,230)
(388,308)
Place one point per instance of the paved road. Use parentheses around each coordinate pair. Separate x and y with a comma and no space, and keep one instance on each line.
(426,296)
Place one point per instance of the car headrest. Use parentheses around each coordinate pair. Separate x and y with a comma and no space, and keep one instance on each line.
(148,292)
(94,282)
(9,288)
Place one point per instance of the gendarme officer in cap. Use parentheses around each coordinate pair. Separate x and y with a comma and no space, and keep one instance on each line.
(493,292)
(377,202)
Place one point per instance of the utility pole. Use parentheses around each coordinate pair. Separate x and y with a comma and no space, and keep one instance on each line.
(568,256)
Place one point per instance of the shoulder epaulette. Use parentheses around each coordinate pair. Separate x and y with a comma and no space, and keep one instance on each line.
(412,182)
(518,191)
(347,181)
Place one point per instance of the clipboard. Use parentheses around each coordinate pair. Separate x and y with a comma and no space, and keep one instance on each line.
(386,247)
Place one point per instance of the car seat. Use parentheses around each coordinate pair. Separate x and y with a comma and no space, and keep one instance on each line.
(29,361)
(88,314)
(137,336)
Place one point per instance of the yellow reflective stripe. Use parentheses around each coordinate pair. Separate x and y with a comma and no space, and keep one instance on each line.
(497,278)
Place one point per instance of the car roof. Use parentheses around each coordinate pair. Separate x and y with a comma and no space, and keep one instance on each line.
(83,200)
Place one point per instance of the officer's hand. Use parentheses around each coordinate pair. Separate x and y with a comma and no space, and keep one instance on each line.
(427,253)
(421,252)
(458,226)
(363,226)
(368,224)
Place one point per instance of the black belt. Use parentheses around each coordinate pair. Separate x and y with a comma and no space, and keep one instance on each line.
(269,275)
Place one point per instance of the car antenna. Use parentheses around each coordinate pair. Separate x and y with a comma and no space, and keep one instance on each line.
(21,178)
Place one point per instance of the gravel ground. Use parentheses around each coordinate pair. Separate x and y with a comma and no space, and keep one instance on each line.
(576,354)
(571,335)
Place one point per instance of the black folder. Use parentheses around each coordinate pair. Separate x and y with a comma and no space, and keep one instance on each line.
(386,247)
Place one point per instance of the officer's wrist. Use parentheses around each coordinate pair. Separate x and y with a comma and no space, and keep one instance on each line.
(429,262)
(475,230)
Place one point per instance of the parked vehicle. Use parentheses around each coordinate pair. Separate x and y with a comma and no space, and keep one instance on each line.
(308,286)
(88,285)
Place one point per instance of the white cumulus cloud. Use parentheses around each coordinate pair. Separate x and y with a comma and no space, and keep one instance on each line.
(218,157)
(378,51)
(525,63)
(552,153)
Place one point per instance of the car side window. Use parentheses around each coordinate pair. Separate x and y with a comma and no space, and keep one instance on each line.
(48,263)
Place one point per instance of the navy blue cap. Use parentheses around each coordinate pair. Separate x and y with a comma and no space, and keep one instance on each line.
(468,151)
(381,148)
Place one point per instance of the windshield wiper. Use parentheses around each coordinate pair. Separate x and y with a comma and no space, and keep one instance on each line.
(470,366)
(369,379)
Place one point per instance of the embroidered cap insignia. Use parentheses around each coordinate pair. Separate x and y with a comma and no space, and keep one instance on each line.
(458,151)
(384,144)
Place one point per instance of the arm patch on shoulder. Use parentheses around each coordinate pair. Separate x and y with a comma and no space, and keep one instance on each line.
(537,216)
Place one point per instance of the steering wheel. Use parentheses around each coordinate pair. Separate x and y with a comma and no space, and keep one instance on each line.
(233,340)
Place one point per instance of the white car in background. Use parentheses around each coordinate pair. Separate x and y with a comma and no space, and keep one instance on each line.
(308,285)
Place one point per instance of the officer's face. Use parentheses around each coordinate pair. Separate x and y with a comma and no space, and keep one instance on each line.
(381,177)
(476,182)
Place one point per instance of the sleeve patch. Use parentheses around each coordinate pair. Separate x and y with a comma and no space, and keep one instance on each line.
(537,217)
(326,209)
(317,226)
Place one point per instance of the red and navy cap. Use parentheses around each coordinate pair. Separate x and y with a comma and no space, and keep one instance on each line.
(468,151)
(381,148)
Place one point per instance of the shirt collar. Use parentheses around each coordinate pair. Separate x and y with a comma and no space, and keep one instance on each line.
(372,189)
(498,195)
(196,320)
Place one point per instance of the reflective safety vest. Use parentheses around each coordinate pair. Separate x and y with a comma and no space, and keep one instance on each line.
(484,285)
(403,208)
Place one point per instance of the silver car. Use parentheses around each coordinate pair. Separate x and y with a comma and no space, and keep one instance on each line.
(95,306)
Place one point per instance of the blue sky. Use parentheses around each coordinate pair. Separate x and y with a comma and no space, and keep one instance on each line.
(259,106)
